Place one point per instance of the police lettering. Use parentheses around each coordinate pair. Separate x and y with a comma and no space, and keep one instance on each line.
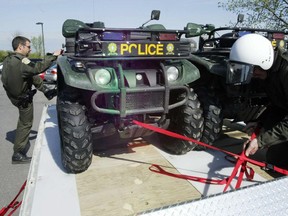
(141,49)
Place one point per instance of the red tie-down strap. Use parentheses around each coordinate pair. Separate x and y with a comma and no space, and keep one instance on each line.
(241,161)
(14,204)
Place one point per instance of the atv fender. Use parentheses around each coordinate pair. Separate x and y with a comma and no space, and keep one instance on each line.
(73,78)
(191,72)
(215,64)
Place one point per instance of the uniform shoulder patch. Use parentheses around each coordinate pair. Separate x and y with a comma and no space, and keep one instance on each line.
(26,61)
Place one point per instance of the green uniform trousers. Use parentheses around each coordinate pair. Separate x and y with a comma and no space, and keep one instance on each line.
(25,120)
(23,129)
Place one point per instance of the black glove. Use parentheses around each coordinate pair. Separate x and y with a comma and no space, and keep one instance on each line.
(50,93)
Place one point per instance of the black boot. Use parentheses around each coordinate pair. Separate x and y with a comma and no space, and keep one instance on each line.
(26,149)
(19,158)
(50,93)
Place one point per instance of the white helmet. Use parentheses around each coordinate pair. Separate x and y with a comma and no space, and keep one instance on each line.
(253,49)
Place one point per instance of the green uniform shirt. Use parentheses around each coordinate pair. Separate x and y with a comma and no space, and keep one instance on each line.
(18,73)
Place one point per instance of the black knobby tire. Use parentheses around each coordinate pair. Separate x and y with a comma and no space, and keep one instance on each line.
(75,135)
(186,120)
(212,112)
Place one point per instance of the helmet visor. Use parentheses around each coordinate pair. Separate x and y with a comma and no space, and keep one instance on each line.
(239,73)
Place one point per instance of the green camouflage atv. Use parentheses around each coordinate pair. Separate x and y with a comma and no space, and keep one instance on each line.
(221,94)
(108,77)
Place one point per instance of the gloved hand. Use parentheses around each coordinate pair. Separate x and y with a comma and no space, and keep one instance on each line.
(50,93)
(250,127)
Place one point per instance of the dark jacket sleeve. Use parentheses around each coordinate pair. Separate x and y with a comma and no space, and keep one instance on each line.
(32,69)
(275,135)
(278,133)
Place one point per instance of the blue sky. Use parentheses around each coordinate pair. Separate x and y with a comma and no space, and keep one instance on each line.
(21,16)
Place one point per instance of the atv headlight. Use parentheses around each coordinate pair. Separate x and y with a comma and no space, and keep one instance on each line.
(102,77)
(172,73)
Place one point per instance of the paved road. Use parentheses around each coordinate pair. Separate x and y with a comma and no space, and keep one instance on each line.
(13,176)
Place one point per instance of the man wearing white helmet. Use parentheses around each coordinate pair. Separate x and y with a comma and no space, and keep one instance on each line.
(253,56)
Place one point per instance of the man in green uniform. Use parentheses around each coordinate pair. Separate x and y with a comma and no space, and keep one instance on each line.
(254,55)
(18,77)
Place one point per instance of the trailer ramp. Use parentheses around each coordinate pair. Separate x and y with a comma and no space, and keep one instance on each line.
(119,181)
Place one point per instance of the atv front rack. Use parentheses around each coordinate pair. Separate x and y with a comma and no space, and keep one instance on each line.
(224,42)
(130,43)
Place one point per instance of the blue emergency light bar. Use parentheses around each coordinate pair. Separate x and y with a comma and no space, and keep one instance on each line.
(112,36)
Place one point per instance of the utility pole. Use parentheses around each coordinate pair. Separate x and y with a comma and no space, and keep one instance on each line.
(43,45)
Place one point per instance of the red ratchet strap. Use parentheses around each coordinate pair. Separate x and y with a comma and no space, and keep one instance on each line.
(241,161)
(14,204)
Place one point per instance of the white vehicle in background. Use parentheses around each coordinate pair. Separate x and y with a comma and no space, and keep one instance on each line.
(1,66)
(50,75)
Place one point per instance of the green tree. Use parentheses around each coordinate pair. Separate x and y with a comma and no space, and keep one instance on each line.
(37,45)
(3,54)
(260,13)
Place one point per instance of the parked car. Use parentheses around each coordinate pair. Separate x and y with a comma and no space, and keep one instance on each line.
(41,75)
(1,66)
(50,75)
